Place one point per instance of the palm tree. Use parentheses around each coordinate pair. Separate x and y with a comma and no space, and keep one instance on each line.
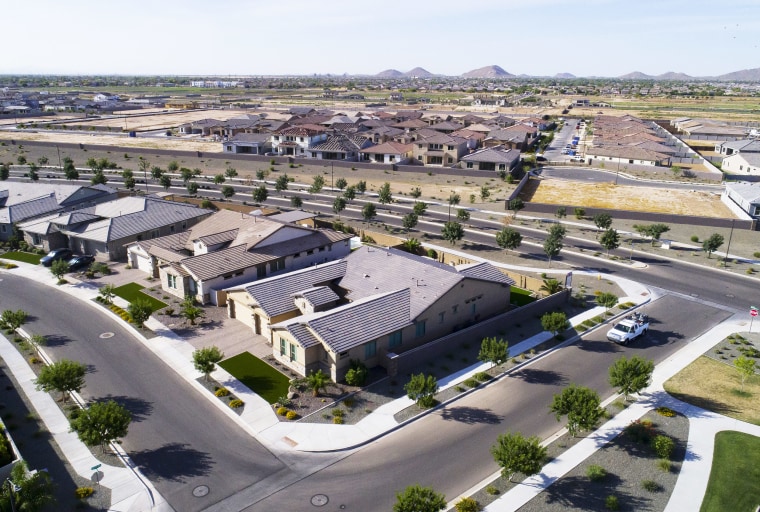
(317,380)
(550,286)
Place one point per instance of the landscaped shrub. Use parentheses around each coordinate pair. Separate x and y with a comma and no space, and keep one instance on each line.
(663,446)
(665,411)
(651,486)
(338,420)
(84,492)
(482,376)
(357,373)
(338,413)
(237,403)
(291,415)
(664,465)
(640,431)
(221,392)
(492,490)
(467,505)
(596,473)
(348,402)
(611,502)
(6,453)
(471,382)
(282,411)
(34,360)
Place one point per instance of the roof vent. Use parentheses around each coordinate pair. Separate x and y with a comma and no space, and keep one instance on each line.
(366,276)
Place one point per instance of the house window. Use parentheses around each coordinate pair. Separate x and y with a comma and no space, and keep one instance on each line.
(171,228)
(419,157)
(419,328)
(184,226)
(441,317)
(370,349)
(36,239)
(343,355)
(310,251)
(229,148)
(292,352)
(473,307)
(227,276)
(282,347)
(450,160)
(469,165)
(261,271)
(502,167)
(3,228)
(297,255)
(171,281)
(394,339)
(450,148)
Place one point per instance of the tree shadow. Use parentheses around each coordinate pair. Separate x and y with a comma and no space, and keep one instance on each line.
(56,340)
(581,494)
(535,376)
(139,408)
(706,403)
(174,462)
(599,346)
(470,415)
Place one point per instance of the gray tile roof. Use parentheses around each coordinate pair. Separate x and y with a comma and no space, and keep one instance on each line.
(301,334)
(29,209)
(361,321)
(292,217)
(497,154)
(232,259)
(486,272)
(318,296)
(313,240)
(275,294)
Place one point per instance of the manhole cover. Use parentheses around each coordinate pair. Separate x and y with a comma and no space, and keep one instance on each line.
(106,335)
(319,500)
(200,491)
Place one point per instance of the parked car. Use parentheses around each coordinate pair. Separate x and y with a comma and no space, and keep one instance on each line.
(56,254)
(80,261)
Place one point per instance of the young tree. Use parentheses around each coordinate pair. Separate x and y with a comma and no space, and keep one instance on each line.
(561,212)
(106,292)
(260,194)
(419,208)
(602,221)
(746,367)
(317,185)
(190,310)
(610,240)
(281,183)
(419,499)
(411,245)
(192,188)
(493,350)
(156,172)
(296,202)
(140,310)
(129,183)
(63,376)
(219,179)
(350,193)
(454,199)
(173,166)
(606,300)
(552,247)
(712,243)
(29,492)
(165,181)
(422,389)
(516,205)
(186,174)
(516,454)
(339,204)
(409,221)
(557,231)
(508,238)
(37,341)
(452,232)
(630,375)
(550,286)
(653,231)
(127,173)
(579,213)
(98,178)
(12,320)
(317,381)
(227,191)
(369,212)
(5,172)
(59,268)
(554,322)
(101,423)
(69,171)
(341,183)
(581,406)
(416,192)
(205,360)
(463,215)
(361,187)
(230,172)
(384,195)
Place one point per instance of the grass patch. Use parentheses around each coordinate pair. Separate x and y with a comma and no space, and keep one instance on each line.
(258,376)
(717,392)
(132,291)
(735,475)
(26,257)
(520,296)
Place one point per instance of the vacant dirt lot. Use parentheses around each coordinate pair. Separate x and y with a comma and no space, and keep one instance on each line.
(609,195)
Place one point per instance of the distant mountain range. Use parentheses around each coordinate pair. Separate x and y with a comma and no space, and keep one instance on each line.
(745,75)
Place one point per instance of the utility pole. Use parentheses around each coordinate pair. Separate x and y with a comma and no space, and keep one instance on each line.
(728,247)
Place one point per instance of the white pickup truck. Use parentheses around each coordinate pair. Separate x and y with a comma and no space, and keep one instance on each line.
(630,328)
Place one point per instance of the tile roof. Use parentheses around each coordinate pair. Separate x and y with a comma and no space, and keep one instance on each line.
(301,334)
(292,216)
(213,264)
(486,272)
(341,144)
(389,148)
(318,296)
(497,154)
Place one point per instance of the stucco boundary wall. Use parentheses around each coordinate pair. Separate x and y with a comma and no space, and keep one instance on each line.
(406,362)
(666,218)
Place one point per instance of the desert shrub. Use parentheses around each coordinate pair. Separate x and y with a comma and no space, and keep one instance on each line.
(471,382)
(640,431)
(664,465)
(596,473)
(663,446)
(84,492)
(651,486)
(611,502)
(467,505)
(665,411)
(459,389)
(338,413)
(348,402)
(338,420)
(482,377)
(291,415)
(492,490)
(237,403)
(221,392)
(694,238)
(282,411)
(357,373)
(34,360)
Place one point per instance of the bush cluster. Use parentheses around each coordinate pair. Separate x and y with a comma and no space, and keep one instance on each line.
(471,382)
(467,505)
(665,411)
(282,411)
(482,377)
(291,415)
(221,392)
(237,403)
(640,431)
(84,492)
(123,313)
(596,473)
(338,420)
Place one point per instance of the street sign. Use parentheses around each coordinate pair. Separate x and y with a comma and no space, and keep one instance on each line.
(96,467)
(753,311)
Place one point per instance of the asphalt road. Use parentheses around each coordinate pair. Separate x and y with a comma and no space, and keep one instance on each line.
(449,449)
(178,438)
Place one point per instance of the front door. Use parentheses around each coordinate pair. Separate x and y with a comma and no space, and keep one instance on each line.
(256,323)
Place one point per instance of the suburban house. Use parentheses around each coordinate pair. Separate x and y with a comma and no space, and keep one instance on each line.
(340,147)
(497,158)
(742,163)
(105,229)
(248,143)
(742,198)
(21,202)
(372,304)
(229,248)
(738,146)
(390,152)
(626,155)
(296,140)
(440,149)
(515,137)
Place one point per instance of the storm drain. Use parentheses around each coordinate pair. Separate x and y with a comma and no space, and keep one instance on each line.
(200,491)
(106,335)
(319,500)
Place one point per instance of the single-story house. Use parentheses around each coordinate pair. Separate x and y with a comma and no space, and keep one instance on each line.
(744,197)
(738,146)
(742,163)
(497,158)
(368,306)
(625,155)
(390,152)
(248,143)
(340,147)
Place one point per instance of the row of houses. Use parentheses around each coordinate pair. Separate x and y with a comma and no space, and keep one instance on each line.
(627,140)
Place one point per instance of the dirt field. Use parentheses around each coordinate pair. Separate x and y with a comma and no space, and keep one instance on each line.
(609,195)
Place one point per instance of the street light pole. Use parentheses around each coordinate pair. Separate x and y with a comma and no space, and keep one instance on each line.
(11,489)
(728,247)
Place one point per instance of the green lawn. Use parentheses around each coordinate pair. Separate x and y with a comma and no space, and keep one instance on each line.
(131,291)
(520,297)
(735,475)
(26,257)
(258,376)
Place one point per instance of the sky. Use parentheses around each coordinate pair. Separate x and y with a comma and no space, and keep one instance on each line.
(450,37)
